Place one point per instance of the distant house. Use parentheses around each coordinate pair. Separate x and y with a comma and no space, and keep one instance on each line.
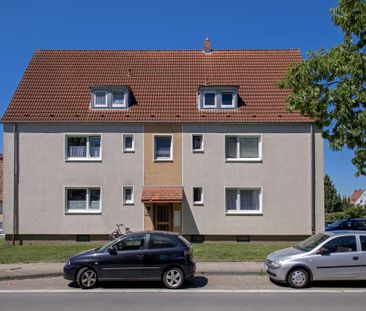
(1,193)
(358,197)
(193,141)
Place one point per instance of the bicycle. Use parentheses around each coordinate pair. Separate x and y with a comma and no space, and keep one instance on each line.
(118,232)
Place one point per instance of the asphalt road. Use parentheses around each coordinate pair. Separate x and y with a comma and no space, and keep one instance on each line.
(212,292)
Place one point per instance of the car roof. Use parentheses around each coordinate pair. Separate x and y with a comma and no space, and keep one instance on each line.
(153,232)
(342,232)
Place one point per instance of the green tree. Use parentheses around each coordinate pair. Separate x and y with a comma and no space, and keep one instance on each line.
(329,86)
(332,200)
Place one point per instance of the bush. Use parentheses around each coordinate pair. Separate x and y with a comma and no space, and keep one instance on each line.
(349,212)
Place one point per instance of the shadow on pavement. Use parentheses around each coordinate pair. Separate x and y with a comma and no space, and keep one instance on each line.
(329,284)
(196,282)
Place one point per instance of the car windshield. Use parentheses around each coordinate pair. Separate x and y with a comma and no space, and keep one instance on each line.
(336,224)
(105,246)
(312,242)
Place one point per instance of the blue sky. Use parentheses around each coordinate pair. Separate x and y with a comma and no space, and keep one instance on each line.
(110,24)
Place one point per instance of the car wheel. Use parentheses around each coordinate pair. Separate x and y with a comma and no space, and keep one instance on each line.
(298,278)
(86,278)
(173,278)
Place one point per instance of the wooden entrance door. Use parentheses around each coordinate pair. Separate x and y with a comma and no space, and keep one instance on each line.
(163,217)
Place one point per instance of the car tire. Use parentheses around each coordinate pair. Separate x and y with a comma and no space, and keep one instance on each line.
(298,278)
(173,278)
(86,278)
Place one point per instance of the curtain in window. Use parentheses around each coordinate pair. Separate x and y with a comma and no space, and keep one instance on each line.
(249,200)
(76,147)
(231,199)
(163,145)
(231,147)
(249,147)
(94,199)
(76,199)
(94,146)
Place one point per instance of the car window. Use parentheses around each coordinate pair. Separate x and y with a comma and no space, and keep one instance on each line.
(360,224)
(342,244)
(363,243)
(130,243)
(159,241)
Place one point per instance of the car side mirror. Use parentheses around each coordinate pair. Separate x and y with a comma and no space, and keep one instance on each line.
(112,250)
(323,251)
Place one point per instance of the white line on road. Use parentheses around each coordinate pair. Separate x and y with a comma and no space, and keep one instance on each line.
(184,291)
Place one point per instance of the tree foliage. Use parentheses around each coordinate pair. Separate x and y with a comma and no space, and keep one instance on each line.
(332,200)
(329,86)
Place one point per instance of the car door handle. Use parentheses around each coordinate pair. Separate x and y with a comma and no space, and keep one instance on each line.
(139,256)
(355,258)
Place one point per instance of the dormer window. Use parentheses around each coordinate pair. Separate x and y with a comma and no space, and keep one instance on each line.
(218,97)
(110,97)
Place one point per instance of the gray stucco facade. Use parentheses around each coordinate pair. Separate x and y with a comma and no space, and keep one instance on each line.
(283,176)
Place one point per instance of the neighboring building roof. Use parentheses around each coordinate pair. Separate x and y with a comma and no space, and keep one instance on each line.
(356,195)
(1,177)
(162,194)
(56,85)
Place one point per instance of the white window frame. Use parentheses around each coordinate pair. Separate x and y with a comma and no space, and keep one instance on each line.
(203,141)
(123,105)
(87,158)
(125,202)
(201,202)
(124,148)
(238,211)
(95,98)
(233,101)
(238,159)
(204,100)
(171,148)
(87,210)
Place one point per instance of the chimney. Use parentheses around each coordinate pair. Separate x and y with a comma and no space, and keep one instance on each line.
(207,46)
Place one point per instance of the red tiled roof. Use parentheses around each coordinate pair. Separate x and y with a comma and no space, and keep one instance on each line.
(56,85)
(162,194)
(356,195)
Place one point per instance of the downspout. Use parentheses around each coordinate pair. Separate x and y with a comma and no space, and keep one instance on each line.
(16,185)
(312,189)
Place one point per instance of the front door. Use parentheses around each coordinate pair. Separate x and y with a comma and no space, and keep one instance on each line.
(163,217)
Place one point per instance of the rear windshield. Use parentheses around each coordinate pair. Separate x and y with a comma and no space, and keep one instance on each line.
(312,242)
(336,224)
(184,240)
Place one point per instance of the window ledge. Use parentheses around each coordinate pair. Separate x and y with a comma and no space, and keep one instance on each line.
(198,151)
(163,160)
(257,213)
(83,212)
(254,160)
(128,151)
(198,203)
(83,160)
(128,203)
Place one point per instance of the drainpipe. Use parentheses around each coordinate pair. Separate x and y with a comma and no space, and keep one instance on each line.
(16,185)
(312,161)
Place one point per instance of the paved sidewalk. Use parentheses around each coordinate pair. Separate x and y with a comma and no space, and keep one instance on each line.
(41,270)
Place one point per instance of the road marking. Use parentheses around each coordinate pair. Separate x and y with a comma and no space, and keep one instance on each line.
(185,291)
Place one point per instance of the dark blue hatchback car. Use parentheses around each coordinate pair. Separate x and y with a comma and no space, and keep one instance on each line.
(136,256)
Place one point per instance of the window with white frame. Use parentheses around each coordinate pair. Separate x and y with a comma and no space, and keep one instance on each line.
(209,99)
(246,148)
(197,142)
(197,195)
(128,142)
(118,99)
(128,195)
(80,200)
(84,147)
(243,201)
(100,99)
(163,147)
(110,97)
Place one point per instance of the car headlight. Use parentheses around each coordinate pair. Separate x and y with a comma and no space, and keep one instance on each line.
(276,264)
(68,262)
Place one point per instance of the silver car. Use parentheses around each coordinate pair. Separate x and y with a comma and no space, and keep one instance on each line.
(335,255)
